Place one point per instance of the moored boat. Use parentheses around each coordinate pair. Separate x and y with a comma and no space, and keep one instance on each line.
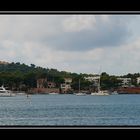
(5,93)
(53,93)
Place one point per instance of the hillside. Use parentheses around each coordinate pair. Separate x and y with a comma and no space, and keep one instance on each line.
(16,74)
(23,77)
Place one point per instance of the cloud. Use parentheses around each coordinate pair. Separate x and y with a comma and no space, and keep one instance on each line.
(66,32)
(79,23)
(72,43)
(80,33)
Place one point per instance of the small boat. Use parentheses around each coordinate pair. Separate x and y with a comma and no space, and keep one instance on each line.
(53,93)
(80,94)
(100,93)
(5,93)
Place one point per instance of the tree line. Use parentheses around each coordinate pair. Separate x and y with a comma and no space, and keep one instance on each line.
(18,76)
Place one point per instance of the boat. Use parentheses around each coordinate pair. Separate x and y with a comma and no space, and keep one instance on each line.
(5,93)
(114,93)
(80,93)
(53,93)
(99,91)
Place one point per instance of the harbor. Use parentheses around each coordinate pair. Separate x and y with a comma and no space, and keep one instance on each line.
(69,70)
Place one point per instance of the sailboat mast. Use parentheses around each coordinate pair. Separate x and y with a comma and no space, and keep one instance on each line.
(79,85)
(99,83)
(99,86)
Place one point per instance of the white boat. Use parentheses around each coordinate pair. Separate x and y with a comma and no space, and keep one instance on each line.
(5,93)
(100,93)
(80,93)
(53,93)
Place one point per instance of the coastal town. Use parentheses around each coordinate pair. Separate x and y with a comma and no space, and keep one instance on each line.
(36,80)
(125,87)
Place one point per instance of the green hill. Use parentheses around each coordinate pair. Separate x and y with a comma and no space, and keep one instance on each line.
(16,75)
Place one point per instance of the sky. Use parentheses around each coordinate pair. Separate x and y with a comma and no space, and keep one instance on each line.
(73,43)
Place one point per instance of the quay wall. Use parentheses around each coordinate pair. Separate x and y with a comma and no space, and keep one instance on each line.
(129,90)
(44,90)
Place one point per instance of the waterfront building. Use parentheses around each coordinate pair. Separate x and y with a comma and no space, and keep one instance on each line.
(138,80)
(66,86)
(125,82)
(51,84)
(68,80)
(41,82)
(93,79)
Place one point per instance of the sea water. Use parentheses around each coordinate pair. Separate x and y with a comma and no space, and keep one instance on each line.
(70,110)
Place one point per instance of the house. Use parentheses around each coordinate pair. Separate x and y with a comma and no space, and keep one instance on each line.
(94,79)
(51,84)
(41,82)
(66,86)
(125,82)
(68,80)
(138,80)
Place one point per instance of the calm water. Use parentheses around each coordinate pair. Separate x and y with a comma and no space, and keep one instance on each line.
(70,110)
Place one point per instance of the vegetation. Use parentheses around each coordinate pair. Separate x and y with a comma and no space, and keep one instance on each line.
(18,76)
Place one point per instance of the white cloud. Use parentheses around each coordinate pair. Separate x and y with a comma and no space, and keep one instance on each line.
(78,23)
(73,43)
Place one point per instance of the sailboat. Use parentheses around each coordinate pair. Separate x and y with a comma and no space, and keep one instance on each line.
(80,93)
(99,91)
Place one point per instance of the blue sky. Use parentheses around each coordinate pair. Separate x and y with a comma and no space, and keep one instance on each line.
(74,43)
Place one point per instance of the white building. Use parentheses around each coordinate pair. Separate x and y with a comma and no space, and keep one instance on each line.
(67,85)
(94,79)
(125,82)
(68,80)
(138,80)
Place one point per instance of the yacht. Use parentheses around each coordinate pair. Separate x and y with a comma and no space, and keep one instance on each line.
(80,93)
(5,93)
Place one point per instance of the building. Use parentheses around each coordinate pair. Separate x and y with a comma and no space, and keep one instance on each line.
(138,80)
(3,62)
(66,86)
(51,84)
(93,79)
(129,90)
(68,80)
(41,82)
(44,86)
(125,82)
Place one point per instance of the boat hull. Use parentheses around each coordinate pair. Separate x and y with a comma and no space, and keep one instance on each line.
(100,93)
(80,94)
